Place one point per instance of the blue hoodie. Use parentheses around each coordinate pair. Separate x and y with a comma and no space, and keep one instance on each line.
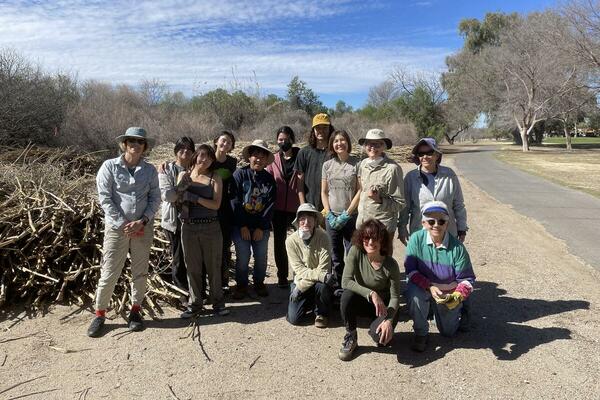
(253,198)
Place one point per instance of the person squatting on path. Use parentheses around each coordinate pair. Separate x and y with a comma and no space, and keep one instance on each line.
(309,251)
(167,177)
(129,194)
(431,181)
(372,286)
(309,163)
(200,190)
(440,275)
(253,197)
(380,182)
(288,186)
(225,166)
(340,196)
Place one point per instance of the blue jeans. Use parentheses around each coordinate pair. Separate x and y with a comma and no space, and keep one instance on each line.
(340,244)
(243,249)
(319,297)
(419,304)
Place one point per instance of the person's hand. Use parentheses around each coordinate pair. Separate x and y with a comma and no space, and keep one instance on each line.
(374,194)
(380,308)
(185,180)
(385,331)
(295,295)
(325,212)
(403,238)
(133,227)
(162,168)
(453,300)
(462,236)
(257,235)
(245,233)
(330,279)
(341,220)
(436,293)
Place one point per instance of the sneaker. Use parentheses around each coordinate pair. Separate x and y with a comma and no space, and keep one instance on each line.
(321,321)
(350,344)
(283,283)
(190,313)
(136,323)
(239,292)
(95,328)
(261,289)
(419,343)
(220,311)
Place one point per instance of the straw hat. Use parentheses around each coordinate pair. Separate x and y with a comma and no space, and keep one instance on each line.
(261,144)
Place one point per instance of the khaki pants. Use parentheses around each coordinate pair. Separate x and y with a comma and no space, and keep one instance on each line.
(202,248)
(116,246)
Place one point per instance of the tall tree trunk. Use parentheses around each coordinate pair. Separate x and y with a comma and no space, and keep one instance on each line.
(567,137)
(449,138)
(524,136)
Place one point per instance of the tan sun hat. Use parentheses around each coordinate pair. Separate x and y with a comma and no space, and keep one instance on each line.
(321,119)
(261,144)
(375,134)
(308,208)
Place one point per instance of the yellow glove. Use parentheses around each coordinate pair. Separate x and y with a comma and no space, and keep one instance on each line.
(453,300)
(324,212)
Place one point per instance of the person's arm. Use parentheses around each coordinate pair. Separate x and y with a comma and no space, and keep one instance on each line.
(325,195)
(306,276)
(458,207)
(404,216)
(464,272)
(394,198)
(104,184)
(215,202)
(299,170)
(411,265)
(351,269)
(356,199)
(166,182)
(237,198)
(153,195)
(395,280)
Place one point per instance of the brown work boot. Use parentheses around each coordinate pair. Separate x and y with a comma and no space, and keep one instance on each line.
(321,321)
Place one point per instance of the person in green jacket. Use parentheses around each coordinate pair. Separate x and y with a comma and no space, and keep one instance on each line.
(371,283)
(309,253)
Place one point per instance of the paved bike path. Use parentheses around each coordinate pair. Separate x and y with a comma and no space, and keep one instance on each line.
(567,214)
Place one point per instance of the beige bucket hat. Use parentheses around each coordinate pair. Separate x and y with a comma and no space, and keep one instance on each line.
(375,134)
(261,144)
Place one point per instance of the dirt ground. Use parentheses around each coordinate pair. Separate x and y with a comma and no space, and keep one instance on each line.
(535,335)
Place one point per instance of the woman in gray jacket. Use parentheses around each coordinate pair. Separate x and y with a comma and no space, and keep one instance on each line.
(431,181)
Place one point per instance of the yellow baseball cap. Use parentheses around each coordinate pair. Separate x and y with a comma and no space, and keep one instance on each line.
(321,119)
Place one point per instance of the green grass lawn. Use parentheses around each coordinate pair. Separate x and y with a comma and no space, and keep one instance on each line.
(575,140)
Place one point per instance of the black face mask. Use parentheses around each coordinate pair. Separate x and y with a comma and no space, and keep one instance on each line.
(285,146)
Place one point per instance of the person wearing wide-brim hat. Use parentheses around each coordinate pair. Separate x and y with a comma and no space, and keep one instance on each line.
(309,163)
(431,181)
(129,194)
(309,253)
(381,182)
(252,199)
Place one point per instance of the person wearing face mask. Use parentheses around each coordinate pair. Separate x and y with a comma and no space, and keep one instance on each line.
(440,275)
(309,252)
(288,185)
(381,183)
(167,178)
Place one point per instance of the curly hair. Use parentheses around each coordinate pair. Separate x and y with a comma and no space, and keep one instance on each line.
(332,138)
(209,151)
(373,229)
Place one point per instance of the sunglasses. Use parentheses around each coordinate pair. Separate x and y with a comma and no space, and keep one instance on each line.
(425,153)
(432,221)
(138,141)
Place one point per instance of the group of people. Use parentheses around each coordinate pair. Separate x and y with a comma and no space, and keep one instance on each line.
(333,218)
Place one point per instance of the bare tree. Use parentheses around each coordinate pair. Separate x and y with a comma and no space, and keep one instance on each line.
(382,93)
(407,82)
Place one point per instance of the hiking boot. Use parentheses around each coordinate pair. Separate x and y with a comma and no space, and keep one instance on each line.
(190,313)
(261,289)
(283,283)
(220,311)
(321,321)
(419,343)
(350,344)
(239,292)
(136,323)
(95,328)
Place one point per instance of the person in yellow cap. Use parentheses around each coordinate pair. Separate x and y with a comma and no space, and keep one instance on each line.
(309,163)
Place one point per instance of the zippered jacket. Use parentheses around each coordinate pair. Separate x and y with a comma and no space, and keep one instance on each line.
(287,192)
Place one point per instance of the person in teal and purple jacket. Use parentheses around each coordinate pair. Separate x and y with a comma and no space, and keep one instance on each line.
(440,275)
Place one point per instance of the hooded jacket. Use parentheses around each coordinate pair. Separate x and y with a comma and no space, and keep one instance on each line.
(287,192)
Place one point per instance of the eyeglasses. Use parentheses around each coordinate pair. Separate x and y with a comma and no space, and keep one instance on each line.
(138,141)
(374,144)
(432,221)
(425,153)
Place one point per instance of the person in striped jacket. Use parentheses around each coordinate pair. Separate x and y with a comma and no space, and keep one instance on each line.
(440,275)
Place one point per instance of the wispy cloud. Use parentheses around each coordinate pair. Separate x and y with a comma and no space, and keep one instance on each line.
(194,45)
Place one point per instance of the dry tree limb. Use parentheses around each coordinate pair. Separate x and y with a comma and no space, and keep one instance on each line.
(172,393)
(4,360)
(196,335)
(253,362)
(21,383)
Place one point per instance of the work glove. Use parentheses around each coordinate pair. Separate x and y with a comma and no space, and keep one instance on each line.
(453,300)
(330,279)
(295,295)
(341,221)
(330,218)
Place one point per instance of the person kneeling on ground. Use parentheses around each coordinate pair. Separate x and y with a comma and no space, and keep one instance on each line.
(437,267)
(309,252)
(371,279)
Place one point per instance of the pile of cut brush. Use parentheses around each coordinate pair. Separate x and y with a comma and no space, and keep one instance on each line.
(51,232)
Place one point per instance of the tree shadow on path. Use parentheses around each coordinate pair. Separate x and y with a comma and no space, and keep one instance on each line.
(497,324)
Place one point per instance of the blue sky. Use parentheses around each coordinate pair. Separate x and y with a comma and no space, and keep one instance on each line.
(341,48)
